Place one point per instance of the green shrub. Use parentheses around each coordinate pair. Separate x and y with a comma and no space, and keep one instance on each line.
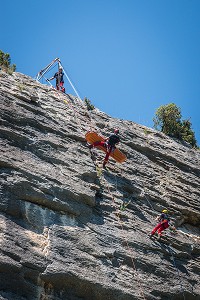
(168,120)
(5,63)
(88,103)
(21,87)
(146,131)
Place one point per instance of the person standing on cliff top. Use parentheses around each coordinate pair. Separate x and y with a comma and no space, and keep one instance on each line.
(59,80)
(109,143)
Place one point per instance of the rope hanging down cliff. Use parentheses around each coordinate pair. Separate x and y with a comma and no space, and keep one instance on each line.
(39,76)
(132,257)
(170,251)
(59,86)
(57,75)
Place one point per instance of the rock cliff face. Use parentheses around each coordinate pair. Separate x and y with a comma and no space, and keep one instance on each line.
(62,232)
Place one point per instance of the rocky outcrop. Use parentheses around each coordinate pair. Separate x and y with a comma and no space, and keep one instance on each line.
(63,235)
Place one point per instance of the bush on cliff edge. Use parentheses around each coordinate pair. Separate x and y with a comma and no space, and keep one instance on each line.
(5,63)
(168,120)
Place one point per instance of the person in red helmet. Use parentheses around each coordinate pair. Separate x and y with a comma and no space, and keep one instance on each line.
(163,223)
(109,143)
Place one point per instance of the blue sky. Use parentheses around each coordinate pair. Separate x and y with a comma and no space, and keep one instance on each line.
(127,56)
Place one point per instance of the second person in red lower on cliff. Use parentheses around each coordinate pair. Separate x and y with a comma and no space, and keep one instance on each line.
(163,224)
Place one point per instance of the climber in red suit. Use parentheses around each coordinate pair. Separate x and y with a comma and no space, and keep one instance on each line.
(109,143)
(163,223)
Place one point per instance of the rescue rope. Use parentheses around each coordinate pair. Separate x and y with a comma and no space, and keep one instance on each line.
(127,244)
(71,84)
(170,251)
(47,69)
(175,266)
(109,191)
(66,102)
(123,230)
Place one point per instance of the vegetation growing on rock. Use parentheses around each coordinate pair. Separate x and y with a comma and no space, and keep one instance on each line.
(168,120)
(5,63)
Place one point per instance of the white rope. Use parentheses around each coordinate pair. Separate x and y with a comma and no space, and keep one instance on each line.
(71,83)
(174,262)
(47,68)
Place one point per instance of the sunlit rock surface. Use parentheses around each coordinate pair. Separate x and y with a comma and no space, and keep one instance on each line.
(62,233)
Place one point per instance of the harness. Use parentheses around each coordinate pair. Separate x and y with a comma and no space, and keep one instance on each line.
(164,222)
(109,147)
(59,77)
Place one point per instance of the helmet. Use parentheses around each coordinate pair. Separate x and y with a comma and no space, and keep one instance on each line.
(60,68)
(116,131)
(165,211)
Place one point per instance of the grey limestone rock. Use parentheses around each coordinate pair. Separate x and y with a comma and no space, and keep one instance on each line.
(62,232)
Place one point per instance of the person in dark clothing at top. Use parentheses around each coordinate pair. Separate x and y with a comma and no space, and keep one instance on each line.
(109,143)
(59,80)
